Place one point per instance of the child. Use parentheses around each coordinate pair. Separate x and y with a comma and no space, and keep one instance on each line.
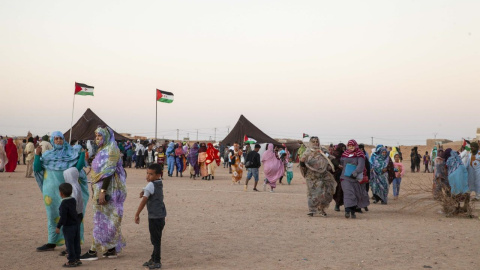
(426,161)
(289,170)
(398,176)
(152,196)
(71,225)
(160,159)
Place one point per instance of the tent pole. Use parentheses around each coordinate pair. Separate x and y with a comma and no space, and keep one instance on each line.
(71,123)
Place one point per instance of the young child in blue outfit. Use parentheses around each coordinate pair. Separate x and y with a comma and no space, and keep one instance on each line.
(152,196)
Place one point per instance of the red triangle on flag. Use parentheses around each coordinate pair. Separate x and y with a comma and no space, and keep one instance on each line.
(77,88)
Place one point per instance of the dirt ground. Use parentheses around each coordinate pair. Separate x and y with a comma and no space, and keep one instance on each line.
(216,225)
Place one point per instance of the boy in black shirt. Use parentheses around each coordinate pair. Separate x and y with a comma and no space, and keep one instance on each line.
(152,196)
(252,163)
(71,225)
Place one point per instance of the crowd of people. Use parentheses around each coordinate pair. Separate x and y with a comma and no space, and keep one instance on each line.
(343,174)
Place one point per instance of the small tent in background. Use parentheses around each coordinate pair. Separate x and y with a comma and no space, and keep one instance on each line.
(85,127)
(246,128)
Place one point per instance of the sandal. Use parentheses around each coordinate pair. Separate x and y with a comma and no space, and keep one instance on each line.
(70,264)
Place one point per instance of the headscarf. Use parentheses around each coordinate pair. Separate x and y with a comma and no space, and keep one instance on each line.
(71,176)
(212,154)
(12,155)
(107,160)
(203,148)
(272,166)
(315,159)
(170,149)
(357,152)
(193,155)
(447,153)
(380,162)
(61,157)
(453,162)
(338,150)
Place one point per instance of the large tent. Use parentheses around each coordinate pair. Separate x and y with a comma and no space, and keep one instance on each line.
(246,128)
(85,127)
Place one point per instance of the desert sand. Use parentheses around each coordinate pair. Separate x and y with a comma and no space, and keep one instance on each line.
(216,225)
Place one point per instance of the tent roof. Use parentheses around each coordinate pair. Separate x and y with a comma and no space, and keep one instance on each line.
(85,127)
(245,127)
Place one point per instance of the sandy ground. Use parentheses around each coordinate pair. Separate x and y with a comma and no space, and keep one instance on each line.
(216,225)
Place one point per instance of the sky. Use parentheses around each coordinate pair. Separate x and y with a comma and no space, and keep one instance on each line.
(397,71)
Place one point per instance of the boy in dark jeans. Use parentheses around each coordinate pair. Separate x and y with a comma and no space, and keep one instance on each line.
(71,225)
(152,196)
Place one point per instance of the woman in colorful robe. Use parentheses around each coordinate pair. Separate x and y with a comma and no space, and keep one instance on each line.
(213,160)
(236,156)
(170,158)
(321,185)
(458,181)
(108,180)
(49,168)
(179,156)
(12,155)
(193,161)
(379,176)
(273,168)
(202,158)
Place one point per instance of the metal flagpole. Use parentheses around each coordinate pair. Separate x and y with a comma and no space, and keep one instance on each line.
(71,123)
(156,114)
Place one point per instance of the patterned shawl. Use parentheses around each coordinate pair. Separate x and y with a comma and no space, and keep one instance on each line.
(357,152)
(193,155)
(453,162)
(380,162)
(212,154)
(170,149)
(61,157)
(315,159)
(178,150)
(107,159)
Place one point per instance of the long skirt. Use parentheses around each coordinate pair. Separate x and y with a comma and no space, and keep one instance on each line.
(320,190)
(379,185)
(237,172)
(354,194)
(211,168)
(338,196)
(203,169)
(48,181)
(194,169)
(179,164)
(107,219)
(170,164)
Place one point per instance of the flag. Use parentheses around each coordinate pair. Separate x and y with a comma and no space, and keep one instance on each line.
(466,144)
(83,89)
(247,140)
(164,96)
(305,135)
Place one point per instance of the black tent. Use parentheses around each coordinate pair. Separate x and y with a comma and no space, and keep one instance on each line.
(85,127)
(246,128)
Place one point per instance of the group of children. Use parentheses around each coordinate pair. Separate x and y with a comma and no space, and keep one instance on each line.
(71,214)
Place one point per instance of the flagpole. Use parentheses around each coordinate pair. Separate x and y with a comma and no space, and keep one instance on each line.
(71,123)
(156,114)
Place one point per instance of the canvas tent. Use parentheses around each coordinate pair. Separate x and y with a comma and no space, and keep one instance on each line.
(246,128)
(85,127)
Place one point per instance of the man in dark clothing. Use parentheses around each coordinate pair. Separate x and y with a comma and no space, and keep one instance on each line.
(252,163)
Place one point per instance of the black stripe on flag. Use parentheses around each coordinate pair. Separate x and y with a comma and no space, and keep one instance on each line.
(165,92)
(84,85)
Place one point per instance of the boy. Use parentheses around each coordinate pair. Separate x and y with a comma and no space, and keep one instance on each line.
(152,196)
(289,170)
(398,176)
(71,225)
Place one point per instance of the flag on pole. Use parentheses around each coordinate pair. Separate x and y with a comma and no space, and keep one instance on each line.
(305,135)
(466,144)
(164,96)
(248,140)
(83,89)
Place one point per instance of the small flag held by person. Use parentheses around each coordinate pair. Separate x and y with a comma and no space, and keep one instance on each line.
(305,135)
(164,96)
(466,145)
(248,140)
(83,89)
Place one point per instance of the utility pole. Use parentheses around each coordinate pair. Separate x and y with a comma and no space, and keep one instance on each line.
(177,134)
(215,136)
(435,135)
(209,138)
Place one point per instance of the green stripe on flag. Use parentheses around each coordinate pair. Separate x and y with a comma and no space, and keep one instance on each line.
(166,100)
(83,93)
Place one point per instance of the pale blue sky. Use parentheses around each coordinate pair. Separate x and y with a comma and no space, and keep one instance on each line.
(395,70)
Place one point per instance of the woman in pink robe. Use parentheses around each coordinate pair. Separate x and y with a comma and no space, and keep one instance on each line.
(273,168)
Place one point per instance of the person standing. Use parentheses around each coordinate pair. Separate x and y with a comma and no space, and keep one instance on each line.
(12,155)
(379,176)
(213,160)
(473,168)
(179,156)
(149,155)
(202,158)
(399,172)
(273,168)
(337,173)
(45,144)
(193,161)
(29,153)
(354,195)
(252,163)
(3,157)
(426,162)
(236,156)
(108,180)
(170,158)
(321,185)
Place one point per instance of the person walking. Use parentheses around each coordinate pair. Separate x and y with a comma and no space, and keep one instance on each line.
(252,163)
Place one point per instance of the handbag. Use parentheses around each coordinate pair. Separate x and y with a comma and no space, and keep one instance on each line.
(364,178)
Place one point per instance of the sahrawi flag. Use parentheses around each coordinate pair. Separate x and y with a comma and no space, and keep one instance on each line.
(466,144)
(83,89)
(248,140)
(164,96)
(305,135)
